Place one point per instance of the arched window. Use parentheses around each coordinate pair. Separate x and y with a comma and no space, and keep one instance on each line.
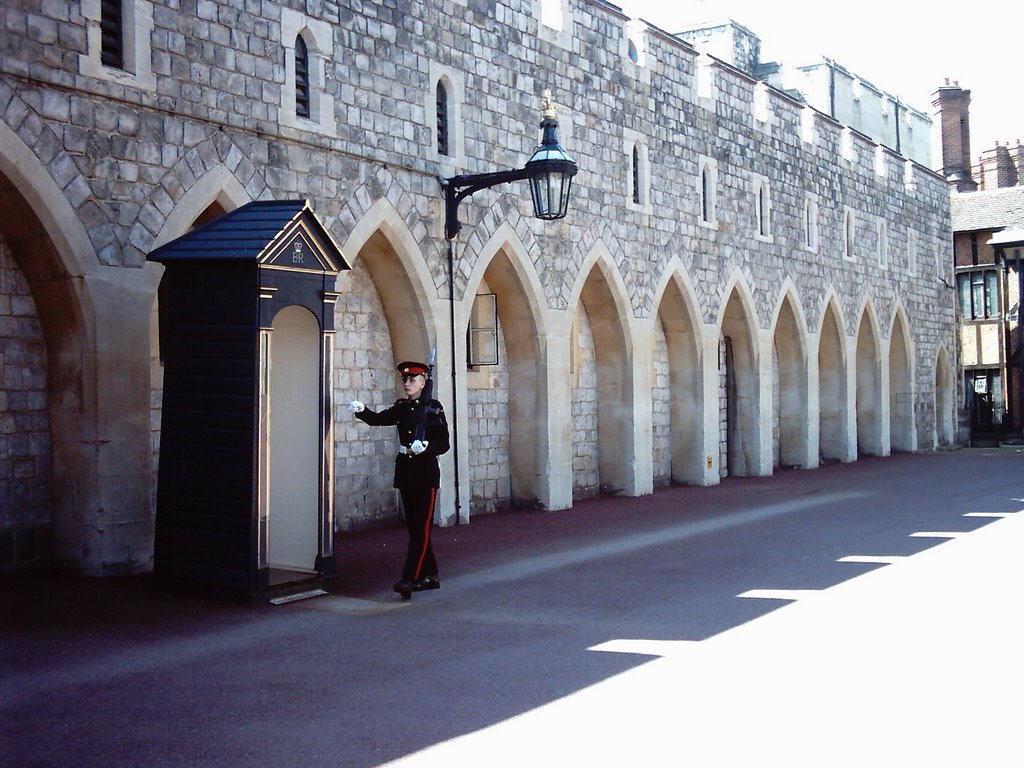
(302,100)
(442,119)
(636,174)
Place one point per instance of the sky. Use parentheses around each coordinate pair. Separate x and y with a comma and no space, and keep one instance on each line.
(905,49)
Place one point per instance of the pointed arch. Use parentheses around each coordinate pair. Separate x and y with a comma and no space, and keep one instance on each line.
(945,398)
(508,447)
(99,441)
(738,329)
(382,240)
(790,380)
(678,391)
(603,444)
(868,382)
(384,314)
(902,421)
(834,436)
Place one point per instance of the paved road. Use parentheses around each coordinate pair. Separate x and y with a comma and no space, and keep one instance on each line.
(864,614)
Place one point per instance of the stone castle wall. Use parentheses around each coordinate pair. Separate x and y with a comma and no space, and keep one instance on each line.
(116,162)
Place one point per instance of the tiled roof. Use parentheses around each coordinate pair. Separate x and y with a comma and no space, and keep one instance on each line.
(989,210)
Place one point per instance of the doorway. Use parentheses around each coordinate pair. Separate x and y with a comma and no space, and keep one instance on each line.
(293,444)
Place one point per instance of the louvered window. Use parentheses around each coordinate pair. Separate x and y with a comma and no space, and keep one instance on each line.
(442,119)
(301,78)
(112,33)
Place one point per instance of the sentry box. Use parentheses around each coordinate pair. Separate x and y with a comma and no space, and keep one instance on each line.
(244,492)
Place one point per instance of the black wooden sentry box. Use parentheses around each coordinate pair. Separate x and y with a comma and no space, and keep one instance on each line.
(244,493)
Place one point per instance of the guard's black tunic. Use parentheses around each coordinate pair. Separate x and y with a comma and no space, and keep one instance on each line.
(417,477)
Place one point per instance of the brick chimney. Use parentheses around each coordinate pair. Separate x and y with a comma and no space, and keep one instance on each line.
(952,120)
(997,168)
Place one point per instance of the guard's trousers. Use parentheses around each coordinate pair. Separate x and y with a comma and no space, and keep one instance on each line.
(419,518)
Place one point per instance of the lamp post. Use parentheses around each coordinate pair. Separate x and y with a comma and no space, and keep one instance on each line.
(550,172)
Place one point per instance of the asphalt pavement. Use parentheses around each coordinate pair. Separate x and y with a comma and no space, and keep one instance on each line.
(857,614)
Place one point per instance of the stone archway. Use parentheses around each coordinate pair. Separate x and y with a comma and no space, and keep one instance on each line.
(678,393)
(790,401)
(945,432)
(902,433)
(869,391)
(505,432)
(833,397)
(601,415)
(379,323)
(741,395)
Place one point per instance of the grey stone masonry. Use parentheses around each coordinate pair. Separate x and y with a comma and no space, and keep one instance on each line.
(115,162)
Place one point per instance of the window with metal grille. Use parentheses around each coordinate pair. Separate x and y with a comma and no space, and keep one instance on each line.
(112,33)
(442,119)
(302,100)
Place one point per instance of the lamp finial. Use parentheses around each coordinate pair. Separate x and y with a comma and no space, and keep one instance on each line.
(548,106)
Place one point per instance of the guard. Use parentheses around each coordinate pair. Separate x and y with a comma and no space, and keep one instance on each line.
(422,437)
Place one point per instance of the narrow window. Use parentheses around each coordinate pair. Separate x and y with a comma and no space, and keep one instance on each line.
(112,33)
(811,224)
(301,78)
(848,232)
(705,194)
(763,225)
(636,174)
(442,119)
(883,245)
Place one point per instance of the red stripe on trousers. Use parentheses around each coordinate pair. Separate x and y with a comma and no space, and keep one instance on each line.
(426,533)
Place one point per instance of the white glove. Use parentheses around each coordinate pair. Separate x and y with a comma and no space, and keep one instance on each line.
(356,407)
(418,446)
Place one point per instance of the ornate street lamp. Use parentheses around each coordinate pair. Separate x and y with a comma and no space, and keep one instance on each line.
(550,172)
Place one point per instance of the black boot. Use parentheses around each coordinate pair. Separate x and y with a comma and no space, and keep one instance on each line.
(405,588)
(427,582)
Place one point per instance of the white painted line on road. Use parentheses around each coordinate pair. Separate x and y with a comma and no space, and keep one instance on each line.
(780,594)
(990,514)
(880,559)
(938,534)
